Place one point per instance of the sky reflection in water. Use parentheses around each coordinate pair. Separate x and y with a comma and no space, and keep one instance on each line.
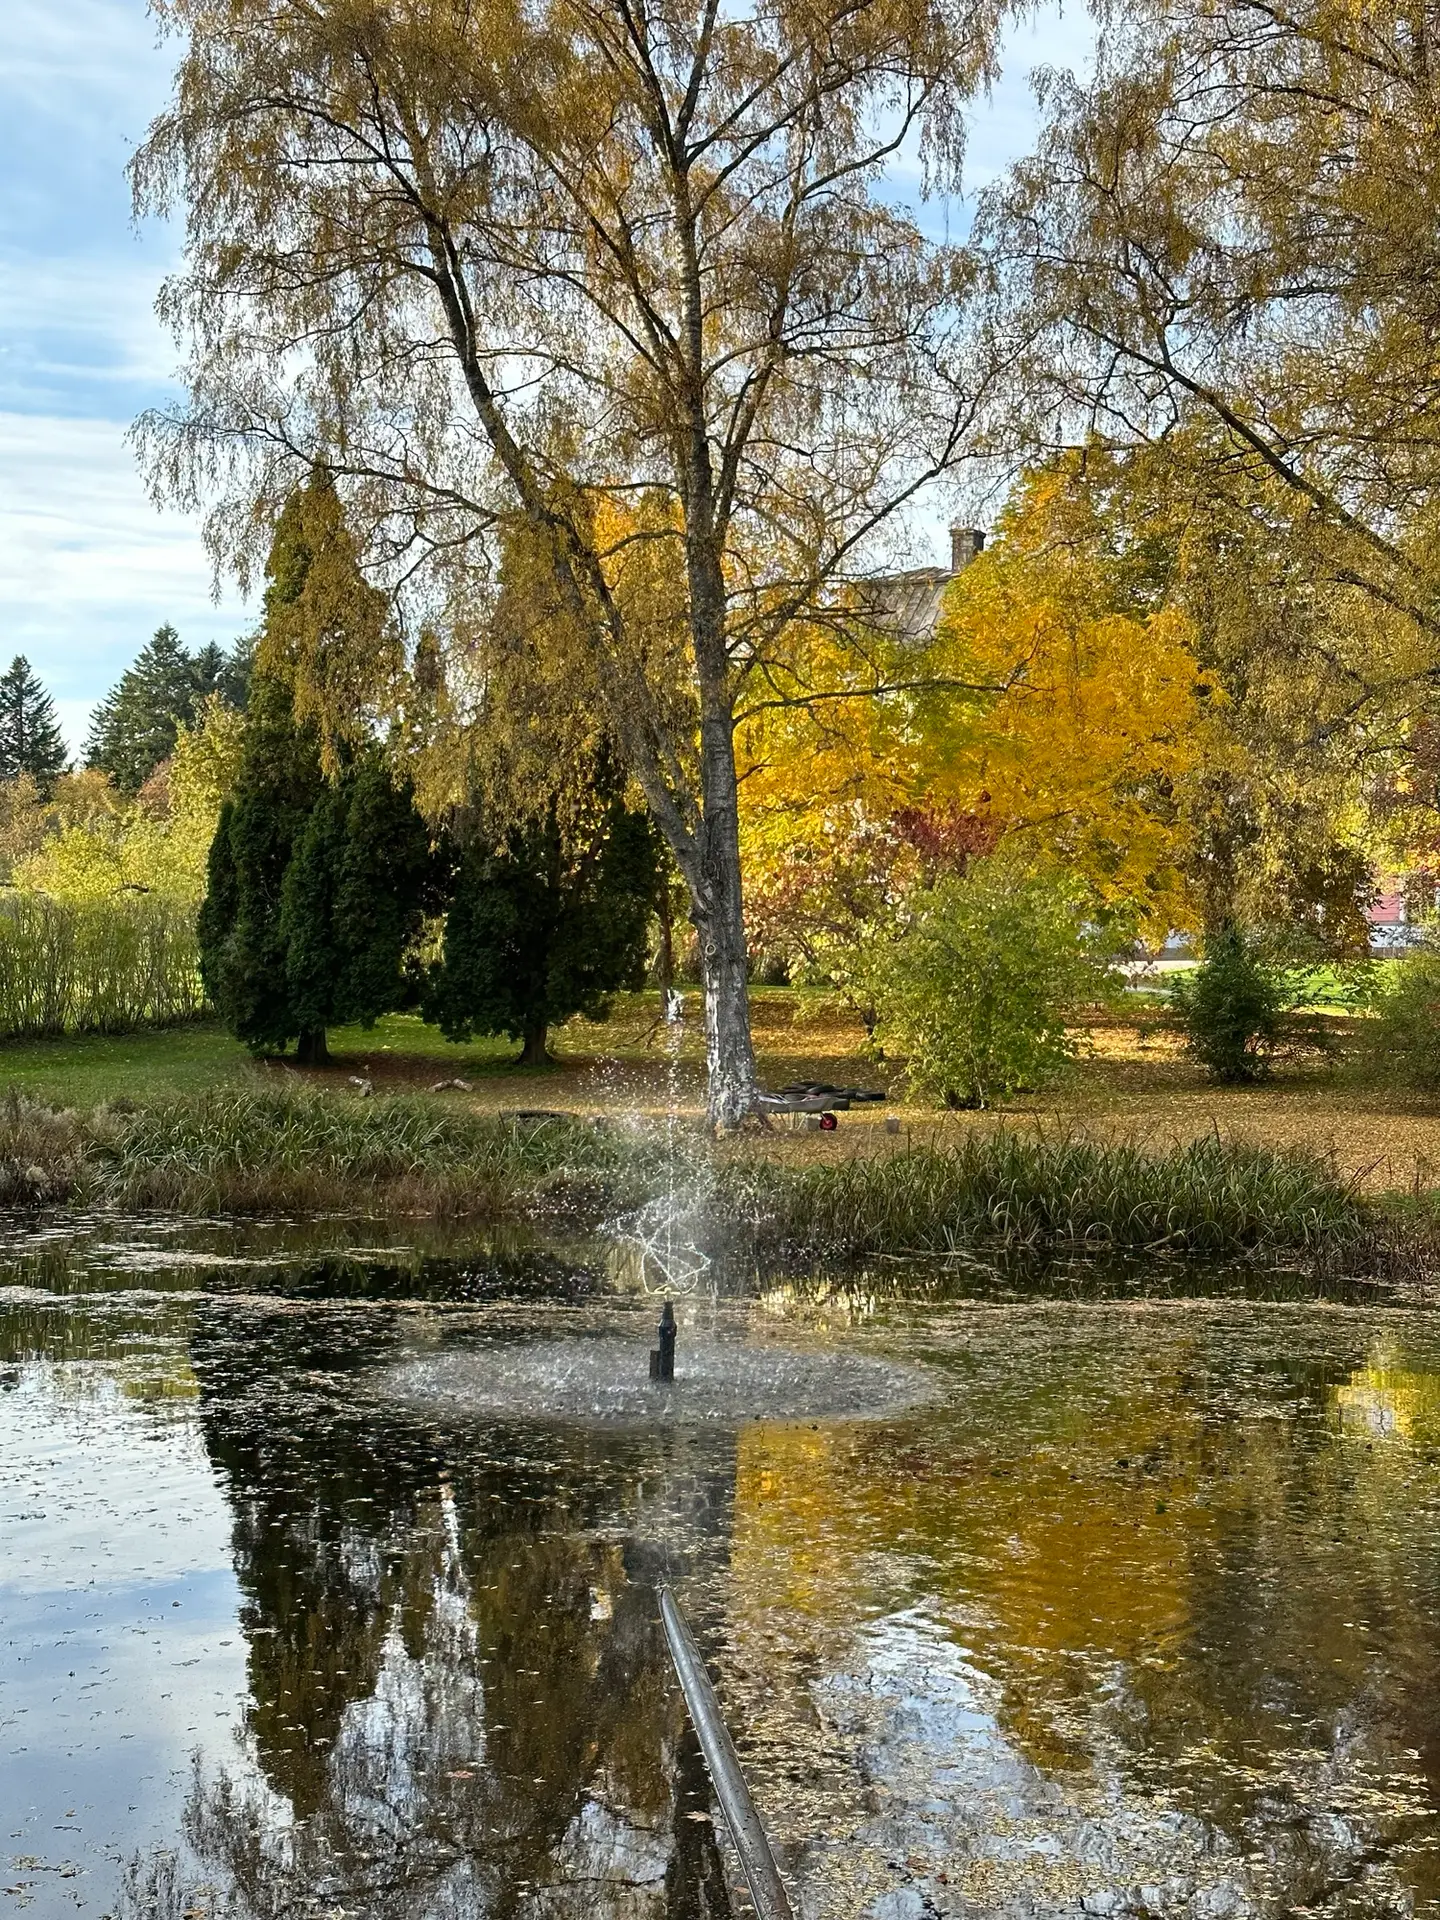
(1139,1613)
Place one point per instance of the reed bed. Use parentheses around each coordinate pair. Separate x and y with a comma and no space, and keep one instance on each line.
(96,967)
(1210,1197)
(299,1150)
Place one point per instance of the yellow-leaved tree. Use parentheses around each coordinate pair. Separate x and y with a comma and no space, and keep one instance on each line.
(156,844)
(1054,711)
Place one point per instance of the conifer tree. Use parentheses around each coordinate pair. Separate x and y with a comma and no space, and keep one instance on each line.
(242,942)
(135,726)
(354,897)
(315,889)
(533,937)
(30,737)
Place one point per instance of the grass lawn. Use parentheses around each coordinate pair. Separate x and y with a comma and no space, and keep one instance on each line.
(1132,1083)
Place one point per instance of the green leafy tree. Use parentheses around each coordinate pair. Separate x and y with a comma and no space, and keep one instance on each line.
(30,738)
(354,898)
(136,725)
(533,937)
(1405,1039)
(979,990)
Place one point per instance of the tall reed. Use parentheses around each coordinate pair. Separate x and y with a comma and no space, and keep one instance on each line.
(1210,1197)
(96,966)
(297,1149)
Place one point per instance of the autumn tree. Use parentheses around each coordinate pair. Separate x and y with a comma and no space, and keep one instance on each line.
(631,282)
(1054,710)
(1223,252)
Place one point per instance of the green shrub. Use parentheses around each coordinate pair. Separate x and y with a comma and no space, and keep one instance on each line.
(105,966)
(1238,1010)
(978,992)
(1406,1035)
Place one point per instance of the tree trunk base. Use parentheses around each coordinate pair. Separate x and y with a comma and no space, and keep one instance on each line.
(535,1052)
(311,1050)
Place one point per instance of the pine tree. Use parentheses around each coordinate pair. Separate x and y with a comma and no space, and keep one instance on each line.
(135,726)
(532,938)
(216,669)
(30,737)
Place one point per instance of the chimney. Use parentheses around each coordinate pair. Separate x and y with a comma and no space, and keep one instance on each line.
(965,543)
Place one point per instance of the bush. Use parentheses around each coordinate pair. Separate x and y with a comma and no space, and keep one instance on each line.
(1238,1010)
(1407,1033)
(96,966)
(978,991)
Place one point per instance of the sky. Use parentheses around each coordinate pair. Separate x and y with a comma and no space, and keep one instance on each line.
(89,567)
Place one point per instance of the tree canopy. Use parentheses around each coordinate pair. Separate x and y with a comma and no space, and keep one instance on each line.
(1223,249)
(135,727)
(536,932)
(316,886)
(631,283)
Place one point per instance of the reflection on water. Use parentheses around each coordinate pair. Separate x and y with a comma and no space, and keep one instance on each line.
(1138,1613)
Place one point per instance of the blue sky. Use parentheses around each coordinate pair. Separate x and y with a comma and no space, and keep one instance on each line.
(88,567)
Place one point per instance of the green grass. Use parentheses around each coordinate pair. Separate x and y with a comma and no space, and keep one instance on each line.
(81,1070)
(158,1063)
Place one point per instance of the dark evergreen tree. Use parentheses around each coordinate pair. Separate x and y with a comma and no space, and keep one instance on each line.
(533,937)
(355,895)
(315,889)
(134,727)
(242,941)
(30,737)
(216,670)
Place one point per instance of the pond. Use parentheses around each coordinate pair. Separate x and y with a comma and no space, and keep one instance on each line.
(328,1576)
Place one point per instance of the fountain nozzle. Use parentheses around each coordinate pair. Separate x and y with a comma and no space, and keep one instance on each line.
(662,1358)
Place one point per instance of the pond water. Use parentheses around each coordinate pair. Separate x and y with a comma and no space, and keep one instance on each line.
(325,1590)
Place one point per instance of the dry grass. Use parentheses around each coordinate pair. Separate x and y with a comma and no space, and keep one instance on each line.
(1132,1083)
(297,1149)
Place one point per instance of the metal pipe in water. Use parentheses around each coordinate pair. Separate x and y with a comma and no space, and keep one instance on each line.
(762,1876)
(662,1358)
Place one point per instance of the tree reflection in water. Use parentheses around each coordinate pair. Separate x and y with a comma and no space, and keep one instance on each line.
(461,1701)
(1142,1618)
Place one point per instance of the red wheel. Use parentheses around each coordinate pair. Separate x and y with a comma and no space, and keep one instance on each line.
(828,1123)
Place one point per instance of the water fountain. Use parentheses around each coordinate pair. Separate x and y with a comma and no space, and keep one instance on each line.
(662,1358)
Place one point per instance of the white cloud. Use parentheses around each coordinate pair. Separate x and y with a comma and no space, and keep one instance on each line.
(89,320)
(106,49)
(88,566)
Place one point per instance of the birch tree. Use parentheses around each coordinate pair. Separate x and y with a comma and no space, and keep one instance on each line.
(625,279)
(1225,248)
